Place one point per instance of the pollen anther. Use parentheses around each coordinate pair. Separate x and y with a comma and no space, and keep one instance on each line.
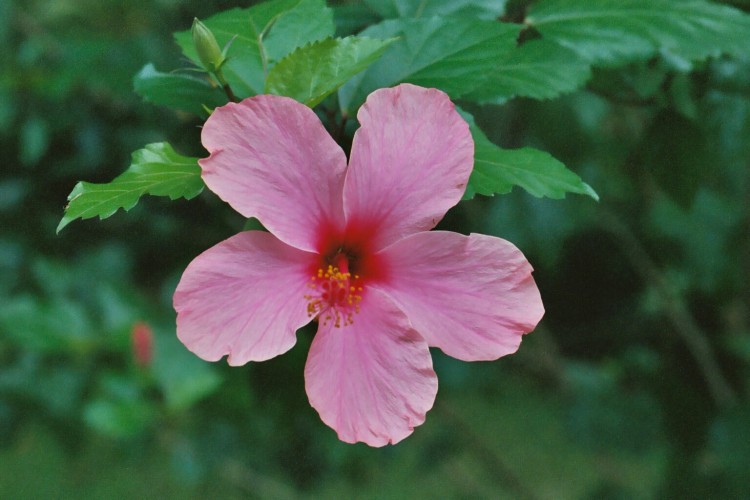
(335,299)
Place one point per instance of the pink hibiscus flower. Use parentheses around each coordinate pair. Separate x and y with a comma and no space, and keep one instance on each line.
(352,248)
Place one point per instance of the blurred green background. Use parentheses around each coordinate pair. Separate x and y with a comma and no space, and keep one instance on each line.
(635,384)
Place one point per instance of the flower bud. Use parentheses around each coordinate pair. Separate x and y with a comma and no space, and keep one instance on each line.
(207,47)
(142,343)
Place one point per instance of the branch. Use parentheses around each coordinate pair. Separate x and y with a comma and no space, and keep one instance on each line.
(675,309)
(505,476)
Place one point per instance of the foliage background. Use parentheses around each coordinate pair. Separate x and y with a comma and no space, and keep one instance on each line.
(635,385)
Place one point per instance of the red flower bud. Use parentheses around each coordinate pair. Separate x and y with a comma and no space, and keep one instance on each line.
(142,343)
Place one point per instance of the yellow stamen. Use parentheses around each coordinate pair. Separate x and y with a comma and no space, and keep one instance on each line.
(335,299)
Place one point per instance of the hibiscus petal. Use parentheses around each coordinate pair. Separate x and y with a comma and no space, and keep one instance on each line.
(471,296)
(410,162)
(272,159)
(371,381)
(243,297)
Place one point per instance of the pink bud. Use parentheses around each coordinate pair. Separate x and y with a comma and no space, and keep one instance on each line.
(142,343)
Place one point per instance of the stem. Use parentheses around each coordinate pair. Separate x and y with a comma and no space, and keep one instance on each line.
(676,311)
(420,9)
(263,57)
(261,47)
(230,94)
(225,86)
(745,256)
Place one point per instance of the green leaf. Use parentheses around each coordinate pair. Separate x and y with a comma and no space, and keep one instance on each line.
(260,36)
(497,170)
(453,54)
(156,170)
(482,9)
(314,71)
(183,378)
(34,139)
(619,31)
(46,326)
(308,21)
(178,90)
(117,418)
(351,18)
(538,69)
(729,442)
(120,410)
(675,152)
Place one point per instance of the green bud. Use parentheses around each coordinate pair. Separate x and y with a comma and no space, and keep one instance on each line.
(207,47)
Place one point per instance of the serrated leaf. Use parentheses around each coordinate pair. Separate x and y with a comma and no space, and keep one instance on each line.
(538,69)
(261,35)
(314,71)
(481,9)
(453,54)
(156,170)
(618,31)
(177,90)
(497,170)
(308,21)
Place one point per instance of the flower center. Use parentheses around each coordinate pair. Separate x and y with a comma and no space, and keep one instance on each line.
(335,294)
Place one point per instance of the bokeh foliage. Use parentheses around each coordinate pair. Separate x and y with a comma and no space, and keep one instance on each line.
(635,384)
